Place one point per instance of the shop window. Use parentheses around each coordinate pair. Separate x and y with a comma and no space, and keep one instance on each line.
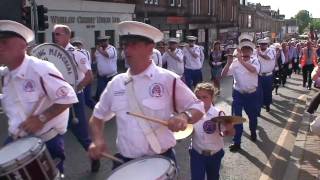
(146,1)
(156,2)
(150,1)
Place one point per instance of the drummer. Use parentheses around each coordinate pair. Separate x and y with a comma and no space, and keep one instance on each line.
(145,89)
(62,35)
(245,69)
(36,98)
(207,144)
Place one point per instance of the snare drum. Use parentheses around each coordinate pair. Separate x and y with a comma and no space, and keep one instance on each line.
(147,168)
(27,159)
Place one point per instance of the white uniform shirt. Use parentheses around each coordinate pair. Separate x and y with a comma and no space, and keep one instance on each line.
(22,89)
(173,64)
(206,133)
(107,66)
(153,89)
(156,57)
(87,53)
(244,80)
(192,62)
(81,60)
(267,66)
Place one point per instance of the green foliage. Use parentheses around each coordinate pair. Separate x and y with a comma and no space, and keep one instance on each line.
(316,24)
(303,18)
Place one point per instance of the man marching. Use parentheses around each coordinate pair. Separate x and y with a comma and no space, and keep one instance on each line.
(36,98)
(267,61)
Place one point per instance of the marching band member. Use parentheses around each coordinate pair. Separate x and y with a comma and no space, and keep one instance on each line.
(193,62)
(173,57)
(207,144)
(78,43)
(146,89)
(156,57)
(106,58)
(266,57)
(36,98)
(62,34)
(245,69)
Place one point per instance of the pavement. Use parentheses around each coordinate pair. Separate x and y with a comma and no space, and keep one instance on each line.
(304,163)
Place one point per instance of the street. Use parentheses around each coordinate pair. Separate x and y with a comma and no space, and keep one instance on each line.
(264,159)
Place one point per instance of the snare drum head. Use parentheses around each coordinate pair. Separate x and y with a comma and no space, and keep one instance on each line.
(148,168)
(60,58)
(19,150)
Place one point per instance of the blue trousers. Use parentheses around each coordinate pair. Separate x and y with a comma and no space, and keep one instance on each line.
(55,147)
(250,103)
(87,97)
(266,89)
(102,82)
(192,77)
(80,129)
(201,165)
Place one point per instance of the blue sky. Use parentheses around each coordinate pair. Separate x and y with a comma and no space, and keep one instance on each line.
(291,7)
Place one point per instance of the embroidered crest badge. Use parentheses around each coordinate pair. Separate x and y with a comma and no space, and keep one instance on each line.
(156,90)
(209,127)
(29,85)
(62,91)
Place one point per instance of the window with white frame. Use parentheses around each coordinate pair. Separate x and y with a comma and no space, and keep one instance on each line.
(146,1)
(172,3)
(249,21)
(179,3)
(156,2)
(150,1)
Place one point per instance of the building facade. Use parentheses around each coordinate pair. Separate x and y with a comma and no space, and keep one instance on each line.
(87,19)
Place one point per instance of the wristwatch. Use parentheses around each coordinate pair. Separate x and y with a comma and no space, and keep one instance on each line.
(188,114)
(43,118)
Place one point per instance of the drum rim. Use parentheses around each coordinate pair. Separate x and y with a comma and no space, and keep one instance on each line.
(142,158)
(74,67)
(24,158)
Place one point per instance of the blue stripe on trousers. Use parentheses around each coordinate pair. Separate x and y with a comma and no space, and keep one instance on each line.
(250,104)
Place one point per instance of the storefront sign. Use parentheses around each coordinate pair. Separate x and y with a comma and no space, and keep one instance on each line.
(83,20)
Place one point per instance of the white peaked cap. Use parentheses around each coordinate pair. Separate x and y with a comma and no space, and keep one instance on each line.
(245,36)
(192,38)
(19,29)
(136,28)
(247,44)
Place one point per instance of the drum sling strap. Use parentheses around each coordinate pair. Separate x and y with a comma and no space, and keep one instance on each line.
(144,125)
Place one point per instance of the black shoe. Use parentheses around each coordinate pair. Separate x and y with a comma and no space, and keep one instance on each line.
(253,137)
(268,108)
(95,166)
(234,147)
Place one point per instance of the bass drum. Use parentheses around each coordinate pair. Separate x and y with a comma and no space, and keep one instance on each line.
(60,58)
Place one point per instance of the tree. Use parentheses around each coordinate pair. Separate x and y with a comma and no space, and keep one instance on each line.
(316,25)
(303,18)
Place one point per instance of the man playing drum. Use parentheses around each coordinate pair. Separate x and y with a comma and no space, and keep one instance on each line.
(62,35)
(36,98)
(145,89)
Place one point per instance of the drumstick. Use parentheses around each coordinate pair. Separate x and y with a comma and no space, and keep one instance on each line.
(109,156)
(75,120)
(165,123)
